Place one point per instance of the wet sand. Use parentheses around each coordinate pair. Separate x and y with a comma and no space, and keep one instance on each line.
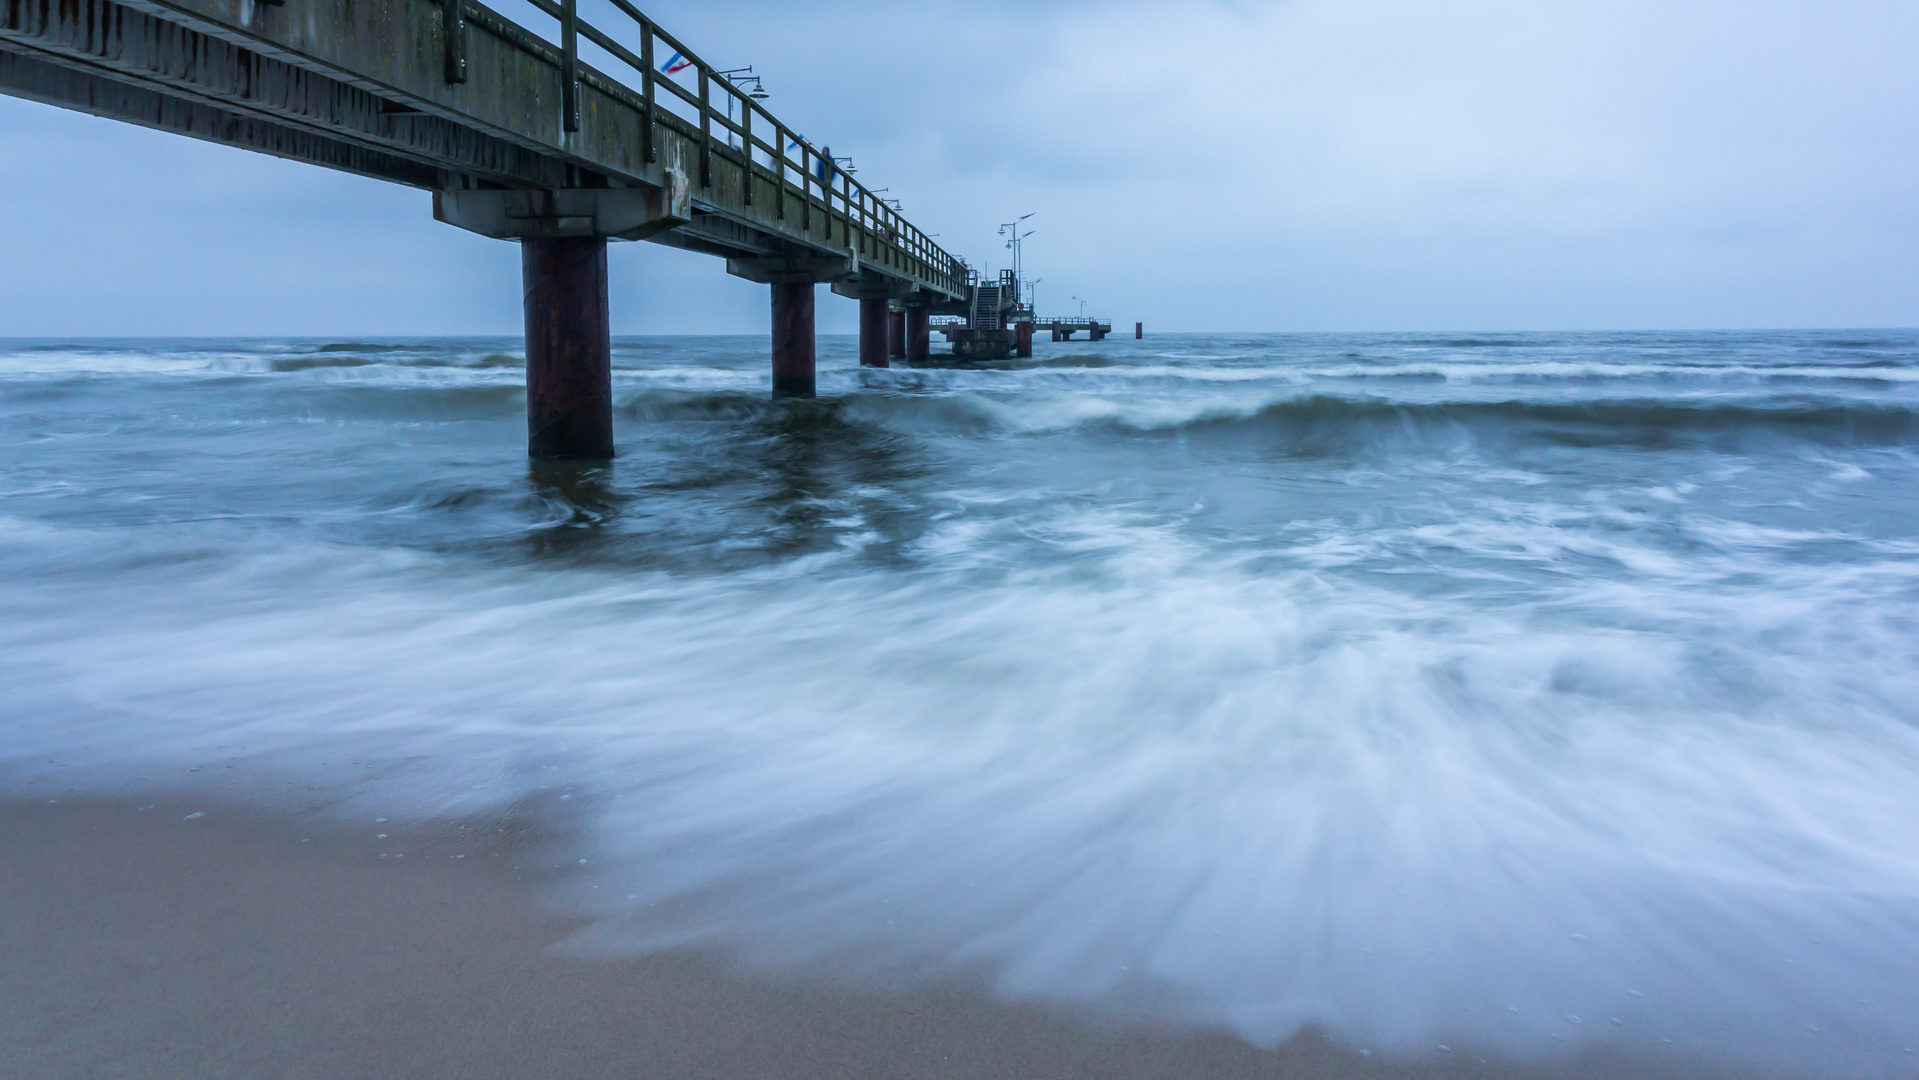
(134,943)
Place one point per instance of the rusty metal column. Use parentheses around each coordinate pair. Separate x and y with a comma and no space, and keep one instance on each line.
(873,332)
(569,349)
(896,334)
(793,340)
(919,332)
(1023,339)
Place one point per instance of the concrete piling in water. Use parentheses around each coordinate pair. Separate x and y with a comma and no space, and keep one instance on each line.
(569,349)
(793,340)
(876,333)
(1023,339)
(609,170)
(919,334)
(792,281)
(1139,331)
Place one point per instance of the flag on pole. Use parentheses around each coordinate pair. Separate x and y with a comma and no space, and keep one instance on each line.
(676,64)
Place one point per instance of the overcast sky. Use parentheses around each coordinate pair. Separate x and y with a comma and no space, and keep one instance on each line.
(1233,165)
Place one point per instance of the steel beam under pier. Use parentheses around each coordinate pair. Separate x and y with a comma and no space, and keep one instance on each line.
(569,349)
(875,338)
(793,340)
(919,335)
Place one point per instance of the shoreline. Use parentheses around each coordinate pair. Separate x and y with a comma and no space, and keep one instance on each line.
(245,943)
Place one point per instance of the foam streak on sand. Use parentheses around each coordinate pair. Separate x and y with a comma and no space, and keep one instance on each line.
(231,946)
(1410,688)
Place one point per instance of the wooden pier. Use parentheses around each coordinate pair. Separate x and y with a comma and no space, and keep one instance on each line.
(519,138)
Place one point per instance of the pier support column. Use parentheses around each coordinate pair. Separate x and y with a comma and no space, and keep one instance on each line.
(1023,340)
(1139,331)
(793,340)
(569,348)
(875,338)
(1055,329)
(563,234)
(792,281)
(896,334)
(919,333)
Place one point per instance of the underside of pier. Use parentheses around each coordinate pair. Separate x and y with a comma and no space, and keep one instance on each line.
(517,139)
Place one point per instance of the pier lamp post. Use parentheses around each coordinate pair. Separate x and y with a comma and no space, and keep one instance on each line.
(1011,229)
(740,78)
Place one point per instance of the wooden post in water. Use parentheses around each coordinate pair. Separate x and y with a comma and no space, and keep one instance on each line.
(793,340)
(919,333)
(875,338)
(569,349)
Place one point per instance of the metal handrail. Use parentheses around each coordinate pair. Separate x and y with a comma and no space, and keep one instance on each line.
(871,228)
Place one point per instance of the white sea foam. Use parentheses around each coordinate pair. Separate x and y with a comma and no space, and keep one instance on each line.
(1288,799)
(1437,742)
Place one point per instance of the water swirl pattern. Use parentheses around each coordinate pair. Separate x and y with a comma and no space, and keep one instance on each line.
(1521,692)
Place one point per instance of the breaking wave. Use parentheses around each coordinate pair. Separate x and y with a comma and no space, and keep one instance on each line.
(1561,700)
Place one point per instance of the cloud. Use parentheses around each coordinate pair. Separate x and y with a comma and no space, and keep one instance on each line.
(1313,164)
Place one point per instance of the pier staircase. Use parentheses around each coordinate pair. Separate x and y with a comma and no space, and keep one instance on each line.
(986,308)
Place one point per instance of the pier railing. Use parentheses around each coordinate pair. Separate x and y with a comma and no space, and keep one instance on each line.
(454,96)
(728,122)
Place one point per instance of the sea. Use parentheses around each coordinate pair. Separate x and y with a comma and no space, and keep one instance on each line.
(1510,694)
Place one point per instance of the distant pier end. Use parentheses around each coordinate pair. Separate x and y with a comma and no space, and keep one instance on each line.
(997,323)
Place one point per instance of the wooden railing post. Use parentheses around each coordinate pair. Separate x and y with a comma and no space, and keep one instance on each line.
(779,164)
(646,86)
(706,126)
(570,64)
(746,143)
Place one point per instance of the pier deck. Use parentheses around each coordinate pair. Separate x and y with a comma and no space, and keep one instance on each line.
(519,138)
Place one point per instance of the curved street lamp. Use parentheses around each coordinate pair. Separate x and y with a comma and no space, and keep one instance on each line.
(739,77)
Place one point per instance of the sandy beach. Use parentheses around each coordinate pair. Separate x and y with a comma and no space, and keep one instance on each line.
(140,943)
(1007,541)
